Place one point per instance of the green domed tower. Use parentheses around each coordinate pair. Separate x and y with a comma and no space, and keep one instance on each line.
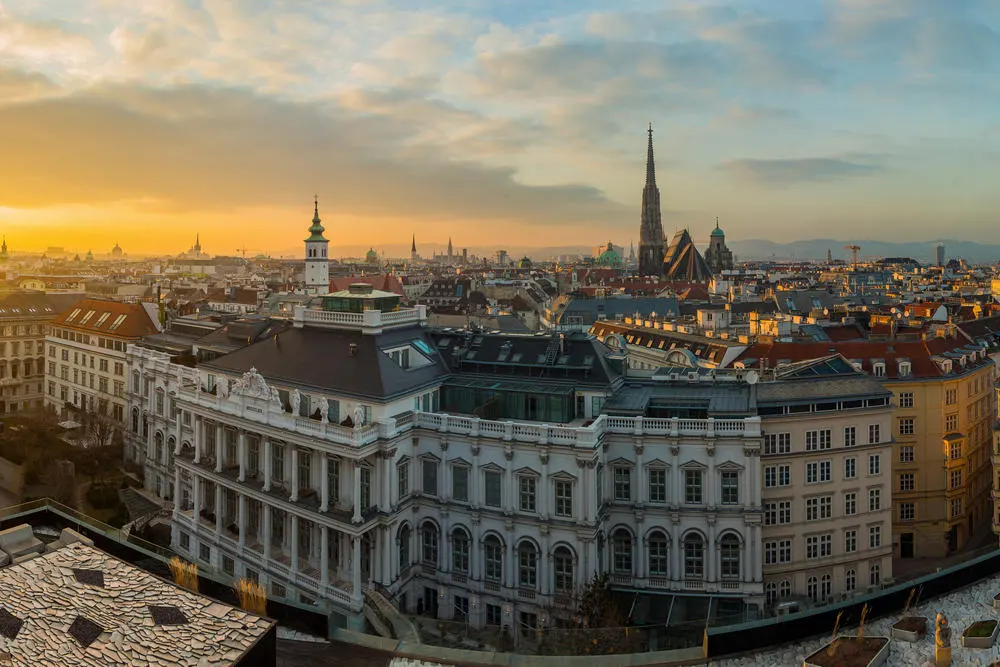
(371,257)
(610,257)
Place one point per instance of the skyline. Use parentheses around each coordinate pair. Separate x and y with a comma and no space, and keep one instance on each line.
(455,119)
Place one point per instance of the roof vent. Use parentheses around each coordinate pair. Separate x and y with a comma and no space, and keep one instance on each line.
(10,624)
(360,288)
(167,615)
(85,631)
(89,577)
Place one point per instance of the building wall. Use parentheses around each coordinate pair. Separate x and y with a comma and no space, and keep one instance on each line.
(943,505)
(85,370)
(852,471)
(22,347)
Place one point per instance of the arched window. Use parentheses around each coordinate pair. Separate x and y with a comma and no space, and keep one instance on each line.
(527,565)
(135,420)
(694,557)
(562,561)
(729,556)
(785,589)
(771,592)
(826,587)
(657,544)
(460,551)
(621,547)
(404,548)
(145,426)
(850,580)
(429,544)
(493,558)
(158,441)
(812,589)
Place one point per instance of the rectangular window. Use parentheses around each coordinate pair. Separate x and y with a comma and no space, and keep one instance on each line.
(874,500)
(493,489)
(779,475)
(955,478)
(305,464)
(731,487)
(692,487)
(850,468)
(819,546)
(907,481)
(906,453)
(817,440)
(430,477)
(778,513)
(850,541)
(526,493)
(657,485)
(850,436)
(955,450)
(277,462)
(951,423)
(874,434)
(956,508)
(850,504)
(817,471)
(819,508)
(564,498)
(777,552)
(874,465)
(777,443)
(906,399)
(906,425)
(623,484)
(874,537)
(333,479)
(403,479)
(907,511)
(460,483)
(951,396)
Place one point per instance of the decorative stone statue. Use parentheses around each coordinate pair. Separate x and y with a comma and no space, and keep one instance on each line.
(295,398)
(276,401)
(359,416)
(324,410)
(223,387)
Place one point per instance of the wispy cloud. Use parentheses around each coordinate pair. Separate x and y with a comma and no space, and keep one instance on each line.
(790,171)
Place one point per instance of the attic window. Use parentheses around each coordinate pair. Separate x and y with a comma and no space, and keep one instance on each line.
(878,369)
(72,316)
(117,323)
(89,577)
(85,631)
(86,318)
(10,624)
(167,615)
(102,319)
(905,368)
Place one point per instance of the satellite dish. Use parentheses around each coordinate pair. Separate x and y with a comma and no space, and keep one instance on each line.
(753,377)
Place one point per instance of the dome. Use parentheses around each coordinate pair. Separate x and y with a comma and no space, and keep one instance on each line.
(371,257)
(718,232)
(525,263)
(610,257)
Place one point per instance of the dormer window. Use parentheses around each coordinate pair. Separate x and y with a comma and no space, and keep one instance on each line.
(878,369)
(856,364)
(905,368)
(946,366)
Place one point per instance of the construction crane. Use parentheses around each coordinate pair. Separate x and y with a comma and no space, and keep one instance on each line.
(854,254)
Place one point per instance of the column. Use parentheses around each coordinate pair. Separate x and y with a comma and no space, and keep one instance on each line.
(241,518)
(177,433)
(295,542)
(218,508)
(475,497)
(324,556)
(510,483)
(241,453)
(709,479)
(675,550)
(711,551)
(199,437)
(356,518)
(266,511)
(510,579)
(295,474)
(218,447)
(266,453)
(583,509)
(356,566)
(196,492)
(177,490)
(544,490)
(324,482)
(640,479)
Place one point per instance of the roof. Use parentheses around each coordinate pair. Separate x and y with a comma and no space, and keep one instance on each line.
(57,610)
(592,310)
(386,282)
(318,358)
(21,304)
(109,318)
(711,350)
(683,261)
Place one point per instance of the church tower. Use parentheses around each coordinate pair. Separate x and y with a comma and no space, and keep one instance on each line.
(317,275)
(651,227)
(718,257)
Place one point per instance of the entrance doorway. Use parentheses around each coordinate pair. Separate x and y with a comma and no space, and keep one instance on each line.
(906,545)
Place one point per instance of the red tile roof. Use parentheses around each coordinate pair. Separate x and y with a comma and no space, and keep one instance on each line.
(918,353)
(108,318)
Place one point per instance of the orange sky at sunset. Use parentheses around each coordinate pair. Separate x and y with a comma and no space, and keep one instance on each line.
(512,123)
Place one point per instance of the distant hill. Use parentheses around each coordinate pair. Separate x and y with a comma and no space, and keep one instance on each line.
(815,249)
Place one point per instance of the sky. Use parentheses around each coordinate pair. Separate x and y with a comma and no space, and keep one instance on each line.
(493,121)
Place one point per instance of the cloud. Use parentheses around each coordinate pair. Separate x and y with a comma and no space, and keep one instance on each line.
(17,85)
(782,172)
(758,113)
(198,148)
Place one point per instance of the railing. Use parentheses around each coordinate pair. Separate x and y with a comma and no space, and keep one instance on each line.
(369,319)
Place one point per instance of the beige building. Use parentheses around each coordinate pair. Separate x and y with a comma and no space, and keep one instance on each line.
(85,359)
(827,482)
(23,317)
(944,412)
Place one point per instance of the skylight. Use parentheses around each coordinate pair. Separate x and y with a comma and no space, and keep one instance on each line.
(86,318)
(102,319)
(72,316)
(117,323)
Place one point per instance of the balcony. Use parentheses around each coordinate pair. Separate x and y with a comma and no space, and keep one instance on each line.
(369,321)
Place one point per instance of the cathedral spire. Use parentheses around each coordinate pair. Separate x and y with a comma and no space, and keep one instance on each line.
(413,244)
(650,165)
